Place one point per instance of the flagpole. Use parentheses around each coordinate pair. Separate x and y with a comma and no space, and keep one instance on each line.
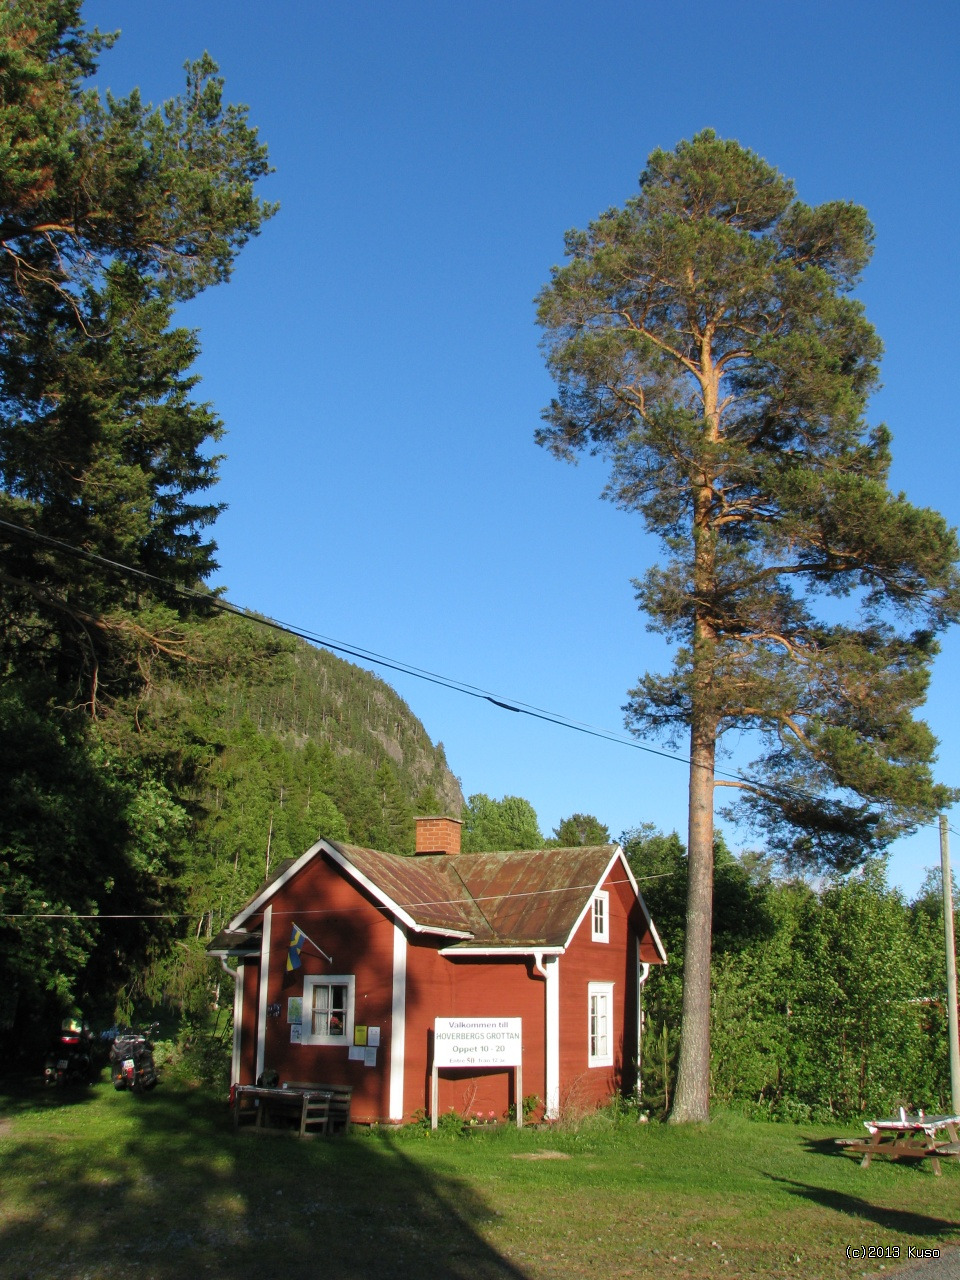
(329,959)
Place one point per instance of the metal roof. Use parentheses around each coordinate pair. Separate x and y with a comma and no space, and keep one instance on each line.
(482,901)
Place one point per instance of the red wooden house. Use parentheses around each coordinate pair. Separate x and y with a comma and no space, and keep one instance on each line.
(347,956)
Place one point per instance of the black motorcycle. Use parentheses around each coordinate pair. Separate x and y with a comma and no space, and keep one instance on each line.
(131,1059)
(70,1061)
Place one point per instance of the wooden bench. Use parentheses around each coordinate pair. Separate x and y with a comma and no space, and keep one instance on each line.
(308,1108)
(338,1097)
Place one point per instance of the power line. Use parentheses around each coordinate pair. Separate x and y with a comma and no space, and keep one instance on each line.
(331,911)
(456,685)
(219,603)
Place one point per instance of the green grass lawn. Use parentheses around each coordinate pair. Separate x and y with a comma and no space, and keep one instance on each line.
(101,1184)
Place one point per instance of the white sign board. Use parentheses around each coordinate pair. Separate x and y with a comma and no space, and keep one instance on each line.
(477,1042)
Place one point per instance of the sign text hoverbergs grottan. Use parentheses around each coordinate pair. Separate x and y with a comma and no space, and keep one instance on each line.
(477,1042)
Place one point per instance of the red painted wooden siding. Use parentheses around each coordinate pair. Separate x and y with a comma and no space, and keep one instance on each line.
(582,1086)
(483,987)
(357,933)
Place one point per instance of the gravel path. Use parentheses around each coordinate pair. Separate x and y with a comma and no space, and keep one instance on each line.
(946,1267)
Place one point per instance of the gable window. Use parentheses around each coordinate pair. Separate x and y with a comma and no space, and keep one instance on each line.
(328,1009)
(600,1024)
(600,916)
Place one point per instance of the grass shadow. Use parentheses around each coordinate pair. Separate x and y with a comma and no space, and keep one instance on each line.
(903,1221)
(163,1186)
(826,1147)
(23,1094)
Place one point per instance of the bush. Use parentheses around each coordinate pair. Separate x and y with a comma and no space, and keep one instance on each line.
(195,1058)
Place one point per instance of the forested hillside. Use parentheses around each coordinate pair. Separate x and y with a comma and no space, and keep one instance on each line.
(238,747)
(273,744)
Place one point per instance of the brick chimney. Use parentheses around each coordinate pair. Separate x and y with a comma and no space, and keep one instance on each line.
(438,835)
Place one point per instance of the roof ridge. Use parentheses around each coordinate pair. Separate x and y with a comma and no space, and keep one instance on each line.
(476,905)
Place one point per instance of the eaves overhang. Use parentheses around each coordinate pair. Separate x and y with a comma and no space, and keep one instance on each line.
(340,859)
(527,949)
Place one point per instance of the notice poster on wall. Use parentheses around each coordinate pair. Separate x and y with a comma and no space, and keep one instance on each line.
(373,1036)
(477,1042)
(296,1031)
(295,1009)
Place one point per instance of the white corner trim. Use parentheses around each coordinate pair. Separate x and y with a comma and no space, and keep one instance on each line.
(262,1001)
(237,1024)
(551,1036)
(398,1021)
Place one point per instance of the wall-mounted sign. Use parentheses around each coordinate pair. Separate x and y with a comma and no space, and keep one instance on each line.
(477,1042)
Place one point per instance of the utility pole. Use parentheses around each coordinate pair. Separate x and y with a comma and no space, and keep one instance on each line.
(951,966)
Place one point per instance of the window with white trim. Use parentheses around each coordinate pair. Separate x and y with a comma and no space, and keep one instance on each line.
(600,916)
(600,1024)
(328,1009)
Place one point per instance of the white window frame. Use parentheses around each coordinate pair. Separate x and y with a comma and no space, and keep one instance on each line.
(600,1011)
(600,916)
(310,984)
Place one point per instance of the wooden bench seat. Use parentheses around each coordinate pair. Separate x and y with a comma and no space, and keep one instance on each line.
(339,1097)
(309,1108)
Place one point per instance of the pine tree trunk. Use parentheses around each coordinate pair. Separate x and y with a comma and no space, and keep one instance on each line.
(691,1100)
(692,1096)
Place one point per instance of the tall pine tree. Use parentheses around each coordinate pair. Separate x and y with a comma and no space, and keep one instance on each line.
(704,340)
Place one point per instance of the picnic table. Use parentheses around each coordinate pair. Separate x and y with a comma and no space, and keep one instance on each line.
(313,1108)
(913,1136)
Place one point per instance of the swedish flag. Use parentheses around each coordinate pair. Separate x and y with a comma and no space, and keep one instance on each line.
(297,939)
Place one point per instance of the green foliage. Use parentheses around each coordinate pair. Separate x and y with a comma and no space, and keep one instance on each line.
(111,212)
(580,829)
(241,745)
(493,825)
(828,1003)
(271,745)
(200,1055)
(531,1104)
(83,833)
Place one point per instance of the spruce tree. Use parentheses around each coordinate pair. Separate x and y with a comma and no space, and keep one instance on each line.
(705,341)
(111,212)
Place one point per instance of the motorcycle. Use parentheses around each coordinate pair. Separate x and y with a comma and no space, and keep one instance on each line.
(131,1059)
(70,1060)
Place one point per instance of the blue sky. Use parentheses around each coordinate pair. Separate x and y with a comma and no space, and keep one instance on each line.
(376,362)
